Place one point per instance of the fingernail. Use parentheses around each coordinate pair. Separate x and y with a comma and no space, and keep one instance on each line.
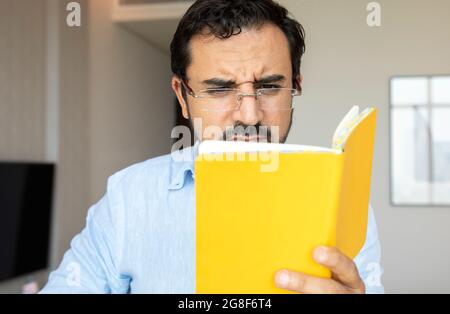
(320,254)
(282,278)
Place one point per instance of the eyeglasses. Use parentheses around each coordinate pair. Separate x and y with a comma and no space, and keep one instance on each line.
(230,99)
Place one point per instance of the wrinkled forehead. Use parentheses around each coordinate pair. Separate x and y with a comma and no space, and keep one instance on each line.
(253,53)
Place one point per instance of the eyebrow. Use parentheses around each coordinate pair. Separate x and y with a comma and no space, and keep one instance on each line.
(218,82)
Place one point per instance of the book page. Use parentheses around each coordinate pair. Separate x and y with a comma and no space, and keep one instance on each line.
(342,128)
(208,147)
(346,127)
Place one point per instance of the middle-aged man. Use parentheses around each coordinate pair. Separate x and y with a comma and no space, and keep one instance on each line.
(235,64)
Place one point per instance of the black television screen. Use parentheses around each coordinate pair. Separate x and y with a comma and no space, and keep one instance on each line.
(26,192)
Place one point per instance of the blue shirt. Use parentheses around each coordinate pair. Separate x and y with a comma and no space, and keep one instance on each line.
(140,237)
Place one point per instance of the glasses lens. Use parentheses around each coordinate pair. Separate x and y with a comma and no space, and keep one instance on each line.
(223,99)
(276,98)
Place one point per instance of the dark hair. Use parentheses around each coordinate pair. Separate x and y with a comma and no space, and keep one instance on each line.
(225,18)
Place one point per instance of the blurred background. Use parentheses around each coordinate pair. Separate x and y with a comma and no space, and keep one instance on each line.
(78,103)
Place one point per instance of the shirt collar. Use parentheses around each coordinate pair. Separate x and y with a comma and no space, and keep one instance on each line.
(182,164)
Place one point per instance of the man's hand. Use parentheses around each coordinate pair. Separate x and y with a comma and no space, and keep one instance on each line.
(345,277)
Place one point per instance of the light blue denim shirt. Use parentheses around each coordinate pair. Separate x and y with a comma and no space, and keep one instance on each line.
(140,237)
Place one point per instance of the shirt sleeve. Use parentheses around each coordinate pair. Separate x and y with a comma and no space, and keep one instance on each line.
(368,260)
(90,265)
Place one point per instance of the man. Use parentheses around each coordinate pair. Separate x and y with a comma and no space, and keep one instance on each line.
(140,237)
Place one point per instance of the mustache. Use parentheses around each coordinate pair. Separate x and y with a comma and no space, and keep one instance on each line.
(258,131)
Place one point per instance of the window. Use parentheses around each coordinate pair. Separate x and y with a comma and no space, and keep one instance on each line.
(420,140)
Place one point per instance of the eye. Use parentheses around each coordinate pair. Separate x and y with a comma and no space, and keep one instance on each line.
(218,92)
(269,86)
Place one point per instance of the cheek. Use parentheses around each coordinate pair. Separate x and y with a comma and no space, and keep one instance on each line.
(213,122)
(279,119)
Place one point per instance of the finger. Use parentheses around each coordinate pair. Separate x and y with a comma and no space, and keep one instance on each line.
(302,283)
(343,268)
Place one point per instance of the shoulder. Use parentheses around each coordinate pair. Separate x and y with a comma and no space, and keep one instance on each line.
(144,173)
(153,175)
(130,187)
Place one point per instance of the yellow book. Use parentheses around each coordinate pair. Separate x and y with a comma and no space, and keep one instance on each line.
(261,207)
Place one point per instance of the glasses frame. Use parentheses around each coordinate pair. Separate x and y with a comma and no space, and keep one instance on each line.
(240,95)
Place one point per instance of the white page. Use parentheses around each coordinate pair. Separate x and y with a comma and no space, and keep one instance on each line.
(341,128)
(209,147)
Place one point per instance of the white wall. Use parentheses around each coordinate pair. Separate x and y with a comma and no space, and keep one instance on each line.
(132,111)
(93,98)
(348,63)
(22,89)
(43,107)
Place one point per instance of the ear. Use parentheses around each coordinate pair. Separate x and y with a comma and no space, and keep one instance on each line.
(177,88)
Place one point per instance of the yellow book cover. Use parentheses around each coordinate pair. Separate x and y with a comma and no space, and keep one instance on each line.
(261,207)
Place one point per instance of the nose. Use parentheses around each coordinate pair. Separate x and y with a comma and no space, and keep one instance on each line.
(249,112)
